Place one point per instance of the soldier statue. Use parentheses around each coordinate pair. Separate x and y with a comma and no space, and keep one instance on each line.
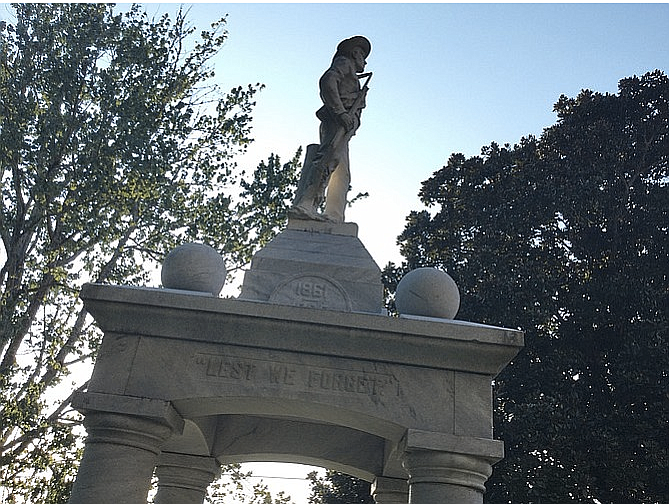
(326,165)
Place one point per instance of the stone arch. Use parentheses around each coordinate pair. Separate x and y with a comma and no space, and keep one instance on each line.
(289,409)
(252,429)
(184,382)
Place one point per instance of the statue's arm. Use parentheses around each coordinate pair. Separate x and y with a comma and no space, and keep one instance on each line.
(329,85)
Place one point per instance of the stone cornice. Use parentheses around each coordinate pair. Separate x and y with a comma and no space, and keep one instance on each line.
(434,343)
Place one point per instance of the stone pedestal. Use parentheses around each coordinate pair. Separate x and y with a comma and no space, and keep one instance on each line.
(316,265)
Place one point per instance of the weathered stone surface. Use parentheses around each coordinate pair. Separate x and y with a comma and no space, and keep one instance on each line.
(184,479)
(133,312)
(379,397)
(120,456)
(326,227)
(327,268)
(390,490)
(194,267)
(427,292)
(252,438)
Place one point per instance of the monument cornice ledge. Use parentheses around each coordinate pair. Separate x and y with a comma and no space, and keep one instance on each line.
(145,407)
(194,316)
(416,439)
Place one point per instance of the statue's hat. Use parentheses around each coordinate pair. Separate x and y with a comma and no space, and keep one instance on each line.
(347,45)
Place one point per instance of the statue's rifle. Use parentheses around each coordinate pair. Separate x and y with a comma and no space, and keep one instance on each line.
(363,91)
(359,100)
(317,163)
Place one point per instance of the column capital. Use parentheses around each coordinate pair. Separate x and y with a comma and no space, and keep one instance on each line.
(120,453)
(447,468)
(181,470)
(154,409)
(183,478)
(390,490)
(126,430)
(427,466)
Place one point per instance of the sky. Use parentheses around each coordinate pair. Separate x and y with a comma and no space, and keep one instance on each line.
(448,78)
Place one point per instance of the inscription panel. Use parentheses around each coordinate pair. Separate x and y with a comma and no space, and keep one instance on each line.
(296,376)
(311,291)
(206,379)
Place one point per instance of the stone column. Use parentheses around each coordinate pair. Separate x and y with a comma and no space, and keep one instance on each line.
(390,490)
(183,479)
(446,478)
(124,439)
(447,469)
(119,458)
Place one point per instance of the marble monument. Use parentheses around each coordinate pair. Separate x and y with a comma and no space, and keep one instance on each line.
(304,366)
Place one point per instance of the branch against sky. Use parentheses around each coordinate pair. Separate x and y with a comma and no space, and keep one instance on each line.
(115,146)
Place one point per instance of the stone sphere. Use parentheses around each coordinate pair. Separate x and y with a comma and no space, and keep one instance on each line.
(194,267)
(427,292)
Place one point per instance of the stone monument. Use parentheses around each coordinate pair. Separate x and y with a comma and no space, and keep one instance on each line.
(305,366)
(327,164)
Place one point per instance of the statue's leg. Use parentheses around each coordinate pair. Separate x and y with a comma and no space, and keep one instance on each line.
(340,180)
(307,188)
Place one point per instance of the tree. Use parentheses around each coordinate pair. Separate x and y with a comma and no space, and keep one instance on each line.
(567,237)
(338,488)
(233,487)
(114,147)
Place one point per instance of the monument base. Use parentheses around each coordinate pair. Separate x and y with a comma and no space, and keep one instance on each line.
(317,265)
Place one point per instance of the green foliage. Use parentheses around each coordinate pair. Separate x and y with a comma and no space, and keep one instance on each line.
(233,488)
(264,201)
(338,488)
(114,148)
(566,237)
